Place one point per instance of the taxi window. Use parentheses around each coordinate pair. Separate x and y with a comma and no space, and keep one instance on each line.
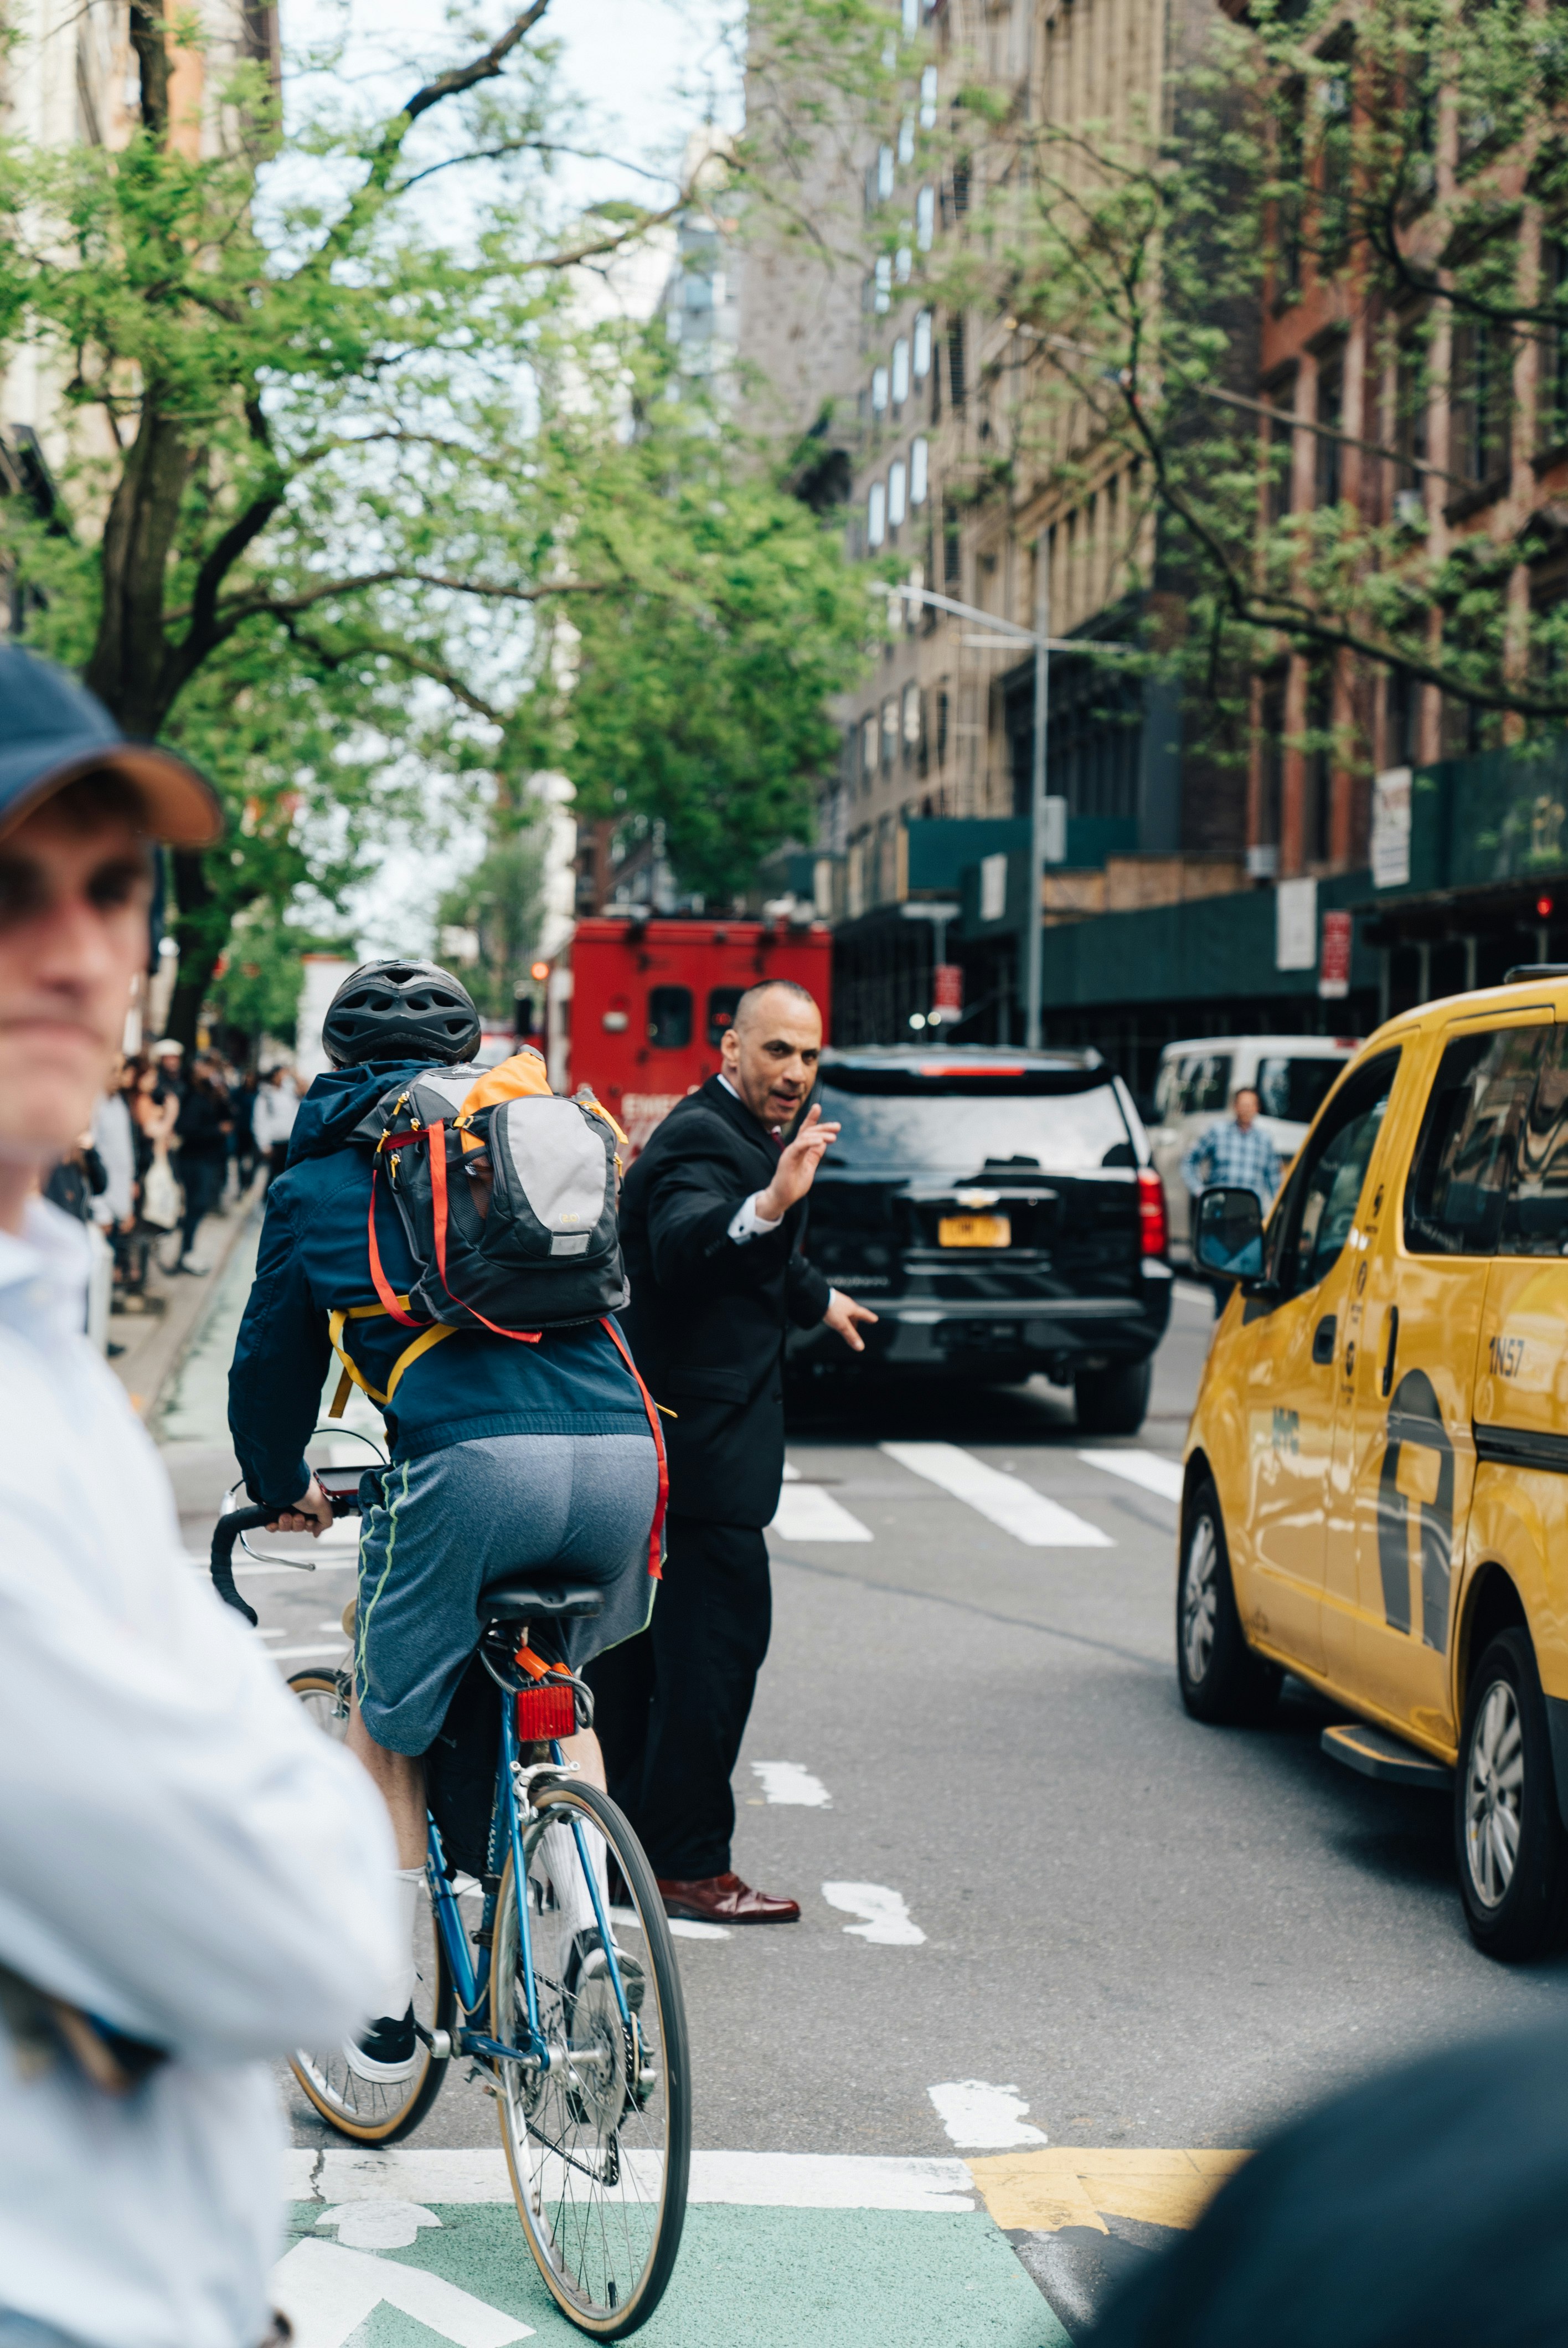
(1535,1220)
(1295,1089)
(1328,1183)
(1469,1136)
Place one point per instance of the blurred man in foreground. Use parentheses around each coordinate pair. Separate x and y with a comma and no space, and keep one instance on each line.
(192,1877)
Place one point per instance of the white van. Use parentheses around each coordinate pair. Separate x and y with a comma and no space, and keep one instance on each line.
(1197,1081)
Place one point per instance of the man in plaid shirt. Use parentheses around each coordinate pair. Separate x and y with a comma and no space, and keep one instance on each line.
(1238,1155)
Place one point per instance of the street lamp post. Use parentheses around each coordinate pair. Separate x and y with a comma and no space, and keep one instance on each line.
(1005,634)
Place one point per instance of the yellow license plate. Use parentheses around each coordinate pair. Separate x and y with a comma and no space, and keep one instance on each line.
(974,1231)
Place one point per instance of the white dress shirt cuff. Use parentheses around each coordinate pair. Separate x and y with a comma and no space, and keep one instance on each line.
(747,1223)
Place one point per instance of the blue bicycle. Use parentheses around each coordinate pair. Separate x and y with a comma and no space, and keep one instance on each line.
(583,2042)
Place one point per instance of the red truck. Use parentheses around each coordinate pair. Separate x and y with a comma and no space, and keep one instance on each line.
(636,1007)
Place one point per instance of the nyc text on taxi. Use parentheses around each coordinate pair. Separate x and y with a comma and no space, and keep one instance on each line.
(1376,1491)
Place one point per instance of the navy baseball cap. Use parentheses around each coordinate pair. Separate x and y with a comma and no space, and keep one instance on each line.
(53,730)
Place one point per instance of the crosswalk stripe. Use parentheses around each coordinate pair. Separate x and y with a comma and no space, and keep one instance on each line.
(1006,1500)
(807,1513)
(1146,1468)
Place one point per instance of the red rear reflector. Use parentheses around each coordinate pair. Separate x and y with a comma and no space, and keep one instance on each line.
(1152,1211)
(544,1712)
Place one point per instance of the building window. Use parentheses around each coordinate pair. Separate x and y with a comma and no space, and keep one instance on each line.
(883,173)
(926,218)
(920,353)
(900,372)
(1327,468)
(1319,761)
(907,139)
(928,99)
(1278,451)
(1481,399)
(889,733)
(952,556)
(896,482)
(1271,758)
(956,362)
(876,515)
(911,15)
(911,721)
(1551,423)
(882,296)
(1401,719)
(1410,401)
(941,724)
(919,472)
(878,391)
(903,264)
(868,749)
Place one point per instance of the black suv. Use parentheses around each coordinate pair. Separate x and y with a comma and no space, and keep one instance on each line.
(1001,1212)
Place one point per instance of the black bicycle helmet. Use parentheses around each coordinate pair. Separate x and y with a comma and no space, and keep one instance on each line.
(388,1010)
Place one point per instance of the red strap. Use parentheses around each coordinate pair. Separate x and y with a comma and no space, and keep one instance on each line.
(437,1133)
(655,1564)
(383,1289)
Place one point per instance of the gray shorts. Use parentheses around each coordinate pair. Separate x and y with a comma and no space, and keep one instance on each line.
(436,1529)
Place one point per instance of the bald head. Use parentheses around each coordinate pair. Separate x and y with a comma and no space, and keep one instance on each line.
(771,1049)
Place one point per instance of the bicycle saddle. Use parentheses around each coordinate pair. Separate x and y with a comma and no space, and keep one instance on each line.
(516,1598)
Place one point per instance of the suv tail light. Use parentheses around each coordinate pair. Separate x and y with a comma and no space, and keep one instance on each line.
(1151,1224)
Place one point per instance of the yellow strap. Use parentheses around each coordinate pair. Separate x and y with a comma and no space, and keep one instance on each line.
(352,1376)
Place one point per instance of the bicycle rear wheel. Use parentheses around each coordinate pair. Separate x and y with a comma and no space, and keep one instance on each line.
(376,2111)
(599,2146)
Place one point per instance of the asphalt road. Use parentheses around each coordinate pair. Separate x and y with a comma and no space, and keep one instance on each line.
(1152,1933)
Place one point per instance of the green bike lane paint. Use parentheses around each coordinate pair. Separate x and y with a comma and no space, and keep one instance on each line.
(786,2251)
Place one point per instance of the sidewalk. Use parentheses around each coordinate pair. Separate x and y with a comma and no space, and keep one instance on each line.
(156,1342)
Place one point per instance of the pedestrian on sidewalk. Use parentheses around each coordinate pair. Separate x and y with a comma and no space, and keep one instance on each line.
(1238,1155)
(713,1222)
(191,1875)
(202,1128)
(272,1119)
(242,1107)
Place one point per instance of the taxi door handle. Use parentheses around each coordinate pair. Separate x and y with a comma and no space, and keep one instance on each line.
(1393,1348)
(1323,1338)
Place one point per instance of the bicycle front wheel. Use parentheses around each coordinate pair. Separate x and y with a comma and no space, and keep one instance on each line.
(599,2146)
(376,2111)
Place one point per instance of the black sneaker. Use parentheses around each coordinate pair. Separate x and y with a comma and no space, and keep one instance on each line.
(588,1964)
(387,2053)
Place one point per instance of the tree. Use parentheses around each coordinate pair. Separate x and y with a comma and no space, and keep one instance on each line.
(318,500)
(1405,162)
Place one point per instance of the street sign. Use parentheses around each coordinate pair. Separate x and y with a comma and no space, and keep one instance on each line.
(1334,964)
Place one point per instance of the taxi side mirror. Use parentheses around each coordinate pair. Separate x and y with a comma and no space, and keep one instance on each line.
(1228,1236)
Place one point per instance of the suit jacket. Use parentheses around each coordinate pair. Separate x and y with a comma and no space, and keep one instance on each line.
(707,1318)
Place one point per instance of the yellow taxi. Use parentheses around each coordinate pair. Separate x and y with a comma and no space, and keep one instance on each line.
(1376,1491)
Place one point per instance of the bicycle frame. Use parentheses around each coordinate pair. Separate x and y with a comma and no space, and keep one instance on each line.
(471,1980)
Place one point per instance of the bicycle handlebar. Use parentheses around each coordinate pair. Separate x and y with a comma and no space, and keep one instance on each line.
(224,1533)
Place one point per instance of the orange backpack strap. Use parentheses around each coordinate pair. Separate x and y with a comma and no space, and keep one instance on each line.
(383,1286)
(655,1544)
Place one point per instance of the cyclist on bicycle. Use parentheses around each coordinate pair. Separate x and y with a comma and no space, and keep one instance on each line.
(504,1455)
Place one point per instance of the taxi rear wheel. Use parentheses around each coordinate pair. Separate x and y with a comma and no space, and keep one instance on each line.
(1512,1849)
(1222,1681)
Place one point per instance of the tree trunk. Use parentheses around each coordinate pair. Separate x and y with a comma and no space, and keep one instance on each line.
(128,670)
(201,930)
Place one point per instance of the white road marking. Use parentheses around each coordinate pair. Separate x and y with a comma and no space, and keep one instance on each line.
(1006,1500)
(377,2225)
(788,1782)
(806,1513)
(271,1635)
(787,2180)
(887,1923)
(328,2293)
(684,1928)
(1144,1468)
(791,1472)
(983,2118)
(293,1654)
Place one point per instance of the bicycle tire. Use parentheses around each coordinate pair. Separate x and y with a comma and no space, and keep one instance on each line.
(369,2111)
(566,2236)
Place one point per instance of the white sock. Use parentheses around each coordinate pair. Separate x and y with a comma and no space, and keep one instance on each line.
(398,1990)
(566,1873)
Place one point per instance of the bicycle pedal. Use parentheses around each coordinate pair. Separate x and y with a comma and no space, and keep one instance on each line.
(479,2078)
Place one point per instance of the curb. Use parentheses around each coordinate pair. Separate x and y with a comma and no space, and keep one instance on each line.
(154,1365)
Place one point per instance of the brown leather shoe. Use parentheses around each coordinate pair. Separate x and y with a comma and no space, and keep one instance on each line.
(726,1900)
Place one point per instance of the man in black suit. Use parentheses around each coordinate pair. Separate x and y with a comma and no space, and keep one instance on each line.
(712,1220)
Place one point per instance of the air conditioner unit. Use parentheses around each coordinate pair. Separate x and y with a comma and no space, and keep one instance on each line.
(1411,508)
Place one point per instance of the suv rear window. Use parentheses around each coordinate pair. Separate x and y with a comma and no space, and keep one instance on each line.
(893,1120)
(1295,1089)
